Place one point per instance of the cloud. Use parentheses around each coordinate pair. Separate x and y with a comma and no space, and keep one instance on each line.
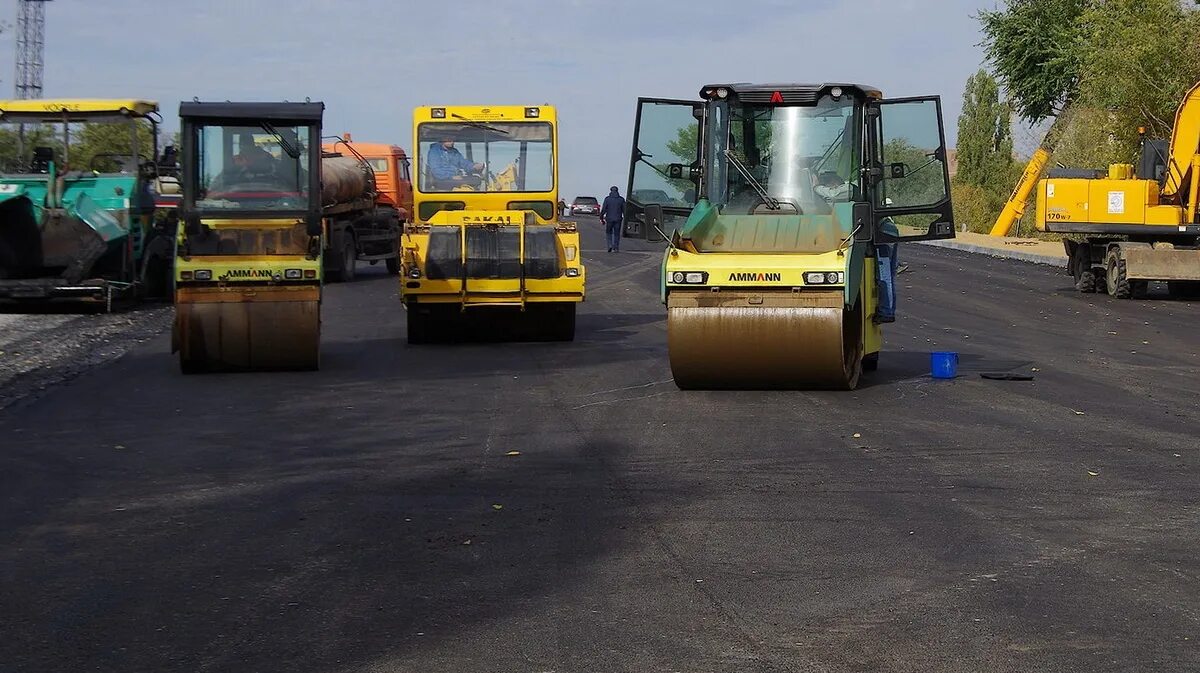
(372,61)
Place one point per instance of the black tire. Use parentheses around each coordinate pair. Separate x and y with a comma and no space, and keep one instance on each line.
(870,362)
(1117,283)
(1184,289)
(393,265)
(343,269)
(564,322)
(1081,269)
(418,326)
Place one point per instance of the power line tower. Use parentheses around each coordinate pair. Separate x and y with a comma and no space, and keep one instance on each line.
(31,47)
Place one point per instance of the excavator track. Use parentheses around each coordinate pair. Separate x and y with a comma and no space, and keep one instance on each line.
(259,329)
(767,340)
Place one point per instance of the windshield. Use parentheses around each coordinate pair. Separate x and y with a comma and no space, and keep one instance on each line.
(489,157)
(783,158)
(252,167)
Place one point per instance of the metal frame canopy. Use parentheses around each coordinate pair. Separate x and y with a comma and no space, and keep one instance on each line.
(75,109)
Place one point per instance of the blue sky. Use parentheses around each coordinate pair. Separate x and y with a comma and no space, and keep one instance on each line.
(372,61)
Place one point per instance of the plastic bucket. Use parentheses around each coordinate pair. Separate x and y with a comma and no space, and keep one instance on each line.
(943,364)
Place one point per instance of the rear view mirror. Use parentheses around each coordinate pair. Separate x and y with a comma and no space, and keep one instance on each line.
(652,215)
(675,171)
(864,229)
(897,170)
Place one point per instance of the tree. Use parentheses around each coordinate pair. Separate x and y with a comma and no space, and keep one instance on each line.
(103,147)
(985,145)
(1033,47)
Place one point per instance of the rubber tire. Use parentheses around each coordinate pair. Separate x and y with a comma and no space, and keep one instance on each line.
(419,327)
(1184,289)
(870,362)
(393,265)
(1117,284)
(344,270)
(563,324)
(1085,276)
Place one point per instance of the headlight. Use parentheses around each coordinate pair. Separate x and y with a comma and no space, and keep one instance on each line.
(293,274)
(836,92)
(572,272)
(689,277)
(569,252)
(185,275)
(532,113)
(825,278)
(414,272)
(722,93)
(438,113)
(204,274)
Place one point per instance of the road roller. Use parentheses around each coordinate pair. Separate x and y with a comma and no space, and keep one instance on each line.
(259,198)
(485,256)
(781,206)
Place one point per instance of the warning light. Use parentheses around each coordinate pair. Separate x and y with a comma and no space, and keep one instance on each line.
(776,97)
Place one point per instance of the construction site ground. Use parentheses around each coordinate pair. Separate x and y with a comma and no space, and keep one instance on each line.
(563,507)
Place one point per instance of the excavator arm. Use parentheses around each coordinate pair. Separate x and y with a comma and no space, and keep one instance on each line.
(1185,145)
(1015,207)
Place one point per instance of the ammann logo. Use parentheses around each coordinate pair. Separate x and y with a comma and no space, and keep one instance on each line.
(246,273)
(752,276)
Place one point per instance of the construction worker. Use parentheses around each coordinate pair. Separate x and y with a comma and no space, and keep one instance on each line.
(612,213)
(448,168)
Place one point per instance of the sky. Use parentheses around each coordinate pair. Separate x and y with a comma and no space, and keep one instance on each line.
(372,61)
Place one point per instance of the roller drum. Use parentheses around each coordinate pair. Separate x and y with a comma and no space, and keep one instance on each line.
(764,341)
(219,332)
(344,179)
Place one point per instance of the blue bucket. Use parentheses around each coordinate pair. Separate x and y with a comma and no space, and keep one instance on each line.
(943,364)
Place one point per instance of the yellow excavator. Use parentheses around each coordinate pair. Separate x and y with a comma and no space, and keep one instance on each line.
(786,201)
(1139,222)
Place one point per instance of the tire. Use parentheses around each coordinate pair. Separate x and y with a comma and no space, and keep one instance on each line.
(1184,289)
(1117,284)
(870,362)
(564,322)
(344,268)
(393,265)
(418,324)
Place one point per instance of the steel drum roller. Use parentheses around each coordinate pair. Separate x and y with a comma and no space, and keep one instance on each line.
(234,329)
(746,340)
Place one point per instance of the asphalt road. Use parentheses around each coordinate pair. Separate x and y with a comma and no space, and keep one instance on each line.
(370,517)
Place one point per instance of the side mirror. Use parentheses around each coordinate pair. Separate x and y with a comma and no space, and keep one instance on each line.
(897,170)
(652,216)
(675,171)
(864,226)
(314,225)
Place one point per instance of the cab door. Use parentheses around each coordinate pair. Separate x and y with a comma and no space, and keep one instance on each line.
(664,166)
(909,171)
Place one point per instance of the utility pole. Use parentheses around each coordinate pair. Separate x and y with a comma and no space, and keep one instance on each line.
(31,50)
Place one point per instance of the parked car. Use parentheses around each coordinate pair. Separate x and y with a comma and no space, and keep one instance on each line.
(585,205)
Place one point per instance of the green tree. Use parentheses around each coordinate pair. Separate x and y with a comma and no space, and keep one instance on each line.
(985,145)
(103,147)
(1033,47)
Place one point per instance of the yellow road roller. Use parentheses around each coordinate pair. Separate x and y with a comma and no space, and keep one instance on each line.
(782,205)
(486,255)
(258,199)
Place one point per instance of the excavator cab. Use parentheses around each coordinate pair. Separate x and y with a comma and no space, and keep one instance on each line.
(776,200)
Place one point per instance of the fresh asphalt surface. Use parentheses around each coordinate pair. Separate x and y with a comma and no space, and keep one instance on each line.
(373,516)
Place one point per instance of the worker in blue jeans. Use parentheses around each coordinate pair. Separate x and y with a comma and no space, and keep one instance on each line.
(612,213)
(886,263)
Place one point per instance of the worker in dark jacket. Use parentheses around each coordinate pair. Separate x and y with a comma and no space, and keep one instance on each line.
(612,213)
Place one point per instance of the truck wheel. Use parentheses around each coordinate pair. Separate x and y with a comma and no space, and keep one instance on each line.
(347,257)
(870,362)
(393,265)
(1081,268)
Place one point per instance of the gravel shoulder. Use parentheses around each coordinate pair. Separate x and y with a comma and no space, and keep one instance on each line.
(39,350)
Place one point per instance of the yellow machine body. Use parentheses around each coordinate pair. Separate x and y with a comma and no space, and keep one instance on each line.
(248,265)
(487,241)
(1139,222)
(785,217)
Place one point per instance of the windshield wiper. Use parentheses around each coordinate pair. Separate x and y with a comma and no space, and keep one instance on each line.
(291,150)
(758,188)
(479,125)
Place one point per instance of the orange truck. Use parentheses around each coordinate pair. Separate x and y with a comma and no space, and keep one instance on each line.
(375,237)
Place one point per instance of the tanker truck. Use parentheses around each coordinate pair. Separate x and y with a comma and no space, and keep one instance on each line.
(260,200)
